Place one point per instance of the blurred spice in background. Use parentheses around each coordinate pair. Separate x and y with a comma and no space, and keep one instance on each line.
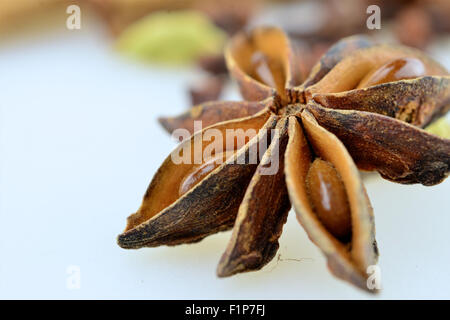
(178,37)
(146,33)
(21,14)
(230,15)
(326,20)
(419,22)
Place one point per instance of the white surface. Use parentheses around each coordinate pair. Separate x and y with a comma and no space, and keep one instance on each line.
(79,143)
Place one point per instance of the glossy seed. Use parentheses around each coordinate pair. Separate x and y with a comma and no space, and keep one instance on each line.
(199,172)
(398,69)
(267,71)
(329,198)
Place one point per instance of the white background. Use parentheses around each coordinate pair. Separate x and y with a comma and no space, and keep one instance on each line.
(79,143)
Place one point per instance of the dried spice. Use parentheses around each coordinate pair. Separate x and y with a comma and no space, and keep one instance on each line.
(119,14)
(230,15)
(414,22)
(213,64)
(326,129)
(177,37)
(207,89)
(32,15)
(413,26)
(420,21)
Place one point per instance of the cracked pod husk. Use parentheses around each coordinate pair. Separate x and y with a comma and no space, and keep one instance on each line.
(416,101)
(399,151)
(210,113)
(262,213)
(351,69)
(167,217)
(414,98)
(334,55)
(346,259)
(264,63)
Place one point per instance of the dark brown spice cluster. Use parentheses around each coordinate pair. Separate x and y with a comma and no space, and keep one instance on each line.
(361,107)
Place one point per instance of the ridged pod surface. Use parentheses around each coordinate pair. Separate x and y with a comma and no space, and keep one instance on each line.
(363,106)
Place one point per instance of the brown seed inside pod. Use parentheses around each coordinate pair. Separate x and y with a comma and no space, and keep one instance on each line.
(329,198)
(198,173)
(398,69)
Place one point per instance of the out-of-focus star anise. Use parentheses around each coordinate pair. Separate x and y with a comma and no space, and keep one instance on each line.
(362,106)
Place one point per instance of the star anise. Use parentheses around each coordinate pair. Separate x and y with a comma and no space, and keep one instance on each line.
(361,107)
